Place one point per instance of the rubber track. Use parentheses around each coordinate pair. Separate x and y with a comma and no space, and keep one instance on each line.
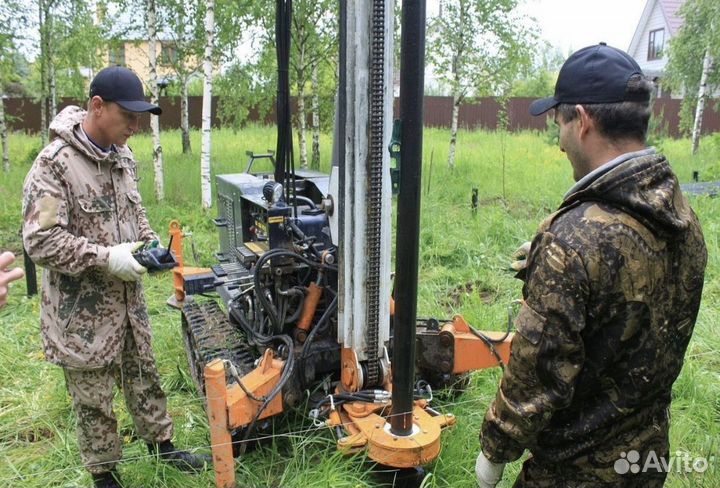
(209,335)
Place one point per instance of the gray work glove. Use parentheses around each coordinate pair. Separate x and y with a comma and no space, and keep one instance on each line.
(520,255)
(122,264)
(488,473)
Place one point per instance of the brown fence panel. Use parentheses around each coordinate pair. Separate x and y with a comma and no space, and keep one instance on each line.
(667,114)
(481,113)
(23,114)
(520,118)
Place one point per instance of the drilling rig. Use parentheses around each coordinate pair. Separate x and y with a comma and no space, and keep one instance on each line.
(304,295)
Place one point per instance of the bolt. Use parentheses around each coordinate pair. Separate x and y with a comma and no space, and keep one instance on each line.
(445,366)
(446,340)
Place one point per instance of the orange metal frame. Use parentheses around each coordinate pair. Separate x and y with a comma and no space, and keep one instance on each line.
(180,270)
(471,352)
(230,407)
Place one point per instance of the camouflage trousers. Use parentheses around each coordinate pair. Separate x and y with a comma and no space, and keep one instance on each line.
(607,465)
(92,393)
(605,468)
(535,475)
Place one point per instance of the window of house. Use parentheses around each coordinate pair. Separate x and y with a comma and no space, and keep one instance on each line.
(656,44)
(116,56)
(168,54)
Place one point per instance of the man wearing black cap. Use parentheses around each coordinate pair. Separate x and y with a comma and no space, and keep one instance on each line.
(83,218)
(612,290)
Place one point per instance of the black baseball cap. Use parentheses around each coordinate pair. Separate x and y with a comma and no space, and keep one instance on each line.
(595,74)
(120,85)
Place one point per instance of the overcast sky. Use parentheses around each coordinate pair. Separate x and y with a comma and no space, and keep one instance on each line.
(573,24)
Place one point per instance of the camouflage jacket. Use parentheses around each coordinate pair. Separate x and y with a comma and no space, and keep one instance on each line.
(612,293)
(77,202)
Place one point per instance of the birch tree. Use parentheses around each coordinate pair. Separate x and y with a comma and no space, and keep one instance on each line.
(313,39)
(244,83)
(315,90)
(152,24)
(185,20)
(205,152)
(68,42)
(702,96)
(476,45)
(692,63)
(45,59)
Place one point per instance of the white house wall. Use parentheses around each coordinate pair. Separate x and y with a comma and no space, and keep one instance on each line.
(656,20)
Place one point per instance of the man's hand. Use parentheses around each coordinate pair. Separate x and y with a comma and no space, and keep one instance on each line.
(488,473)
(520,255)
(122,264)
(6,259)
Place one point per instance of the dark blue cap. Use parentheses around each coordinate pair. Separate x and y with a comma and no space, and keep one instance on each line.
(122,86)
(595,74)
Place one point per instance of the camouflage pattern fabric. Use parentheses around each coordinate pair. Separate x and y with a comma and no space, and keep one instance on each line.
(77,202)
(92,394)
(611,297)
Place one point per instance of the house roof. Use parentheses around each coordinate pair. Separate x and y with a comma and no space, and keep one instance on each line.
(670,9)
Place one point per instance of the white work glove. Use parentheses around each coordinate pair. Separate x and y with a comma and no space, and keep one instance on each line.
(488,473)
(520,255)
(122,264)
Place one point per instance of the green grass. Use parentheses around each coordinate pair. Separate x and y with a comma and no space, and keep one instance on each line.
(463,269)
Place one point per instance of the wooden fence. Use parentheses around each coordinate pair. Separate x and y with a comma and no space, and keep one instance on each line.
(481,113)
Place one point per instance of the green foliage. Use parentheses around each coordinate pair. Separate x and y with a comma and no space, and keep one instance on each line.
(540,83)
(463,269)
(479,46)
(657,130)
(538,80)
(247,86)
(184,21)
(687,114)
(552,131)
(12,19)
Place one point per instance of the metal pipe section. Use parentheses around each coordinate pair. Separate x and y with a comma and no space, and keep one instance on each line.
(412,79)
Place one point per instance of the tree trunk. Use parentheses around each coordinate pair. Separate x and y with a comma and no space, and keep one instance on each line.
(43,74)
(154,120)
(302,112)
(315,162)
(453,130)
(205,181)
(302,126)
(702,96)
(52,81)
(184,118)
(4,135)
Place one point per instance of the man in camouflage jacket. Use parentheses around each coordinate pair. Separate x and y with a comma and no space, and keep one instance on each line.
(611,296)
(83,217)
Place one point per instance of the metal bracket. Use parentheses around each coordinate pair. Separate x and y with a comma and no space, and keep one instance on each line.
(394,149)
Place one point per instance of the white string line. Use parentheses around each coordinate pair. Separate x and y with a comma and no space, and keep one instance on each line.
(210,446)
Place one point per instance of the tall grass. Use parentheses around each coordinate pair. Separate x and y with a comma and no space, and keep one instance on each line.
(463,269)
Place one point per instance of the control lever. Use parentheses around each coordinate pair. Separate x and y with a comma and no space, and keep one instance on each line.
(156,258)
